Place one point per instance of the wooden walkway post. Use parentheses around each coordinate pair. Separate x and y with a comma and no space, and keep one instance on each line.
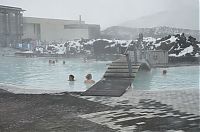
(129,64)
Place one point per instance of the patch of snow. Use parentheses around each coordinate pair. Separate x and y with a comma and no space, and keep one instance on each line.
(105,40)
(149,39)
(90,42)
(186,50)
(124,44)
(28,52)
(172,55)
(157,45)
(178,48)
(197,55)
(172,39)
(40,49)
(113,45)
(121,41)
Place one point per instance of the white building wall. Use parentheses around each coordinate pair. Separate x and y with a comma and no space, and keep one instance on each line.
(56,32)
(53,30)
(71,34)
(28,31)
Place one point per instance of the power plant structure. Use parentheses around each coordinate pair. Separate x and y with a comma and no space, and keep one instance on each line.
(58,30)
(14,28)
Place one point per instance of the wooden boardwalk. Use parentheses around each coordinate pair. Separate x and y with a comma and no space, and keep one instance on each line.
(116,80)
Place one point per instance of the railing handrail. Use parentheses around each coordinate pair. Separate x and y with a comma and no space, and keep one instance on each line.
(125,52)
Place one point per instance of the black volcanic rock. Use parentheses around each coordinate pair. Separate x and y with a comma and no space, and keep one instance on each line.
(177,45)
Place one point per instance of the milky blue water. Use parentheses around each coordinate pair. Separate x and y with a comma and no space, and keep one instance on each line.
(38,74)
(186,77)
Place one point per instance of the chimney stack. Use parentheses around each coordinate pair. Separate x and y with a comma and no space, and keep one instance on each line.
(79,19)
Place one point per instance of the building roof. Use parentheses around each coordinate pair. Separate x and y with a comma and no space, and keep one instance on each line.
(81,26)
(11,8)
(50,20)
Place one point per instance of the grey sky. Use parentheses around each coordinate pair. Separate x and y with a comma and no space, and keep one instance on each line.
(103,12)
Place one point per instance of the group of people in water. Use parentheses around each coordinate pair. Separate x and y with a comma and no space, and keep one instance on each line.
(54,61)
(88,79)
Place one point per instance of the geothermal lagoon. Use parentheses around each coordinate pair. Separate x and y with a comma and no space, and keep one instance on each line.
(36,75)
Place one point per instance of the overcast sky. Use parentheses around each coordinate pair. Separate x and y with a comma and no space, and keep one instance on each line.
(103,12)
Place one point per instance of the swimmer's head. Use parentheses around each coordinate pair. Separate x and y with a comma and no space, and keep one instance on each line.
(71,77)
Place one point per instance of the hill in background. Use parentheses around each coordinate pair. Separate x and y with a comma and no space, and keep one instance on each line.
(186,18)
(127,33)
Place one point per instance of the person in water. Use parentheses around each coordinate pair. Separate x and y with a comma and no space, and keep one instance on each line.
(164,72)
(84,59)
(71,78)
(89,79)
(71,81)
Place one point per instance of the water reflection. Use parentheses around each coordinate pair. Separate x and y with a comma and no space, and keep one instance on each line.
(186,77)
(71,85)
(36,73)
(143,80)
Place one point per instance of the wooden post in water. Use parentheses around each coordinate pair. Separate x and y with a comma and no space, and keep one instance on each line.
(129,64)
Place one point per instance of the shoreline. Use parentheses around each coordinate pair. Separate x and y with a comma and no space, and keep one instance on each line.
(79,57)
(46,112)
(8,88)
(176,65)
(73,112)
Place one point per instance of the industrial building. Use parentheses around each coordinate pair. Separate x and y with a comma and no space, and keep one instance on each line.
(14,28)
(57,30)
(11,25)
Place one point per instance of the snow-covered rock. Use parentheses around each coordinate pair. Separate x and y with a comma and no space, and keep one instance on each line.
(177,45)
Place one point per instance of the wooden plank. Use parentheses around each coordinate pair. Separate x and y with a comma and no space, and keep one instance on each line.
(121,70)
(119,62)
(119,75)
(109,87)
(116,79)
(123,64)
(122,67)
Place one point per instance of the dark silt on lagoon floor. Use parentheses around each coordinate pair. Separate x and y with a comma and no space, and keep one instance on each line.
(47,113)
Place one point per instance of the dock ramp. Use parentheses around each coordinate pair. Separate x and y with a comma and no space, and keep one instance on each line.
(117,79)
